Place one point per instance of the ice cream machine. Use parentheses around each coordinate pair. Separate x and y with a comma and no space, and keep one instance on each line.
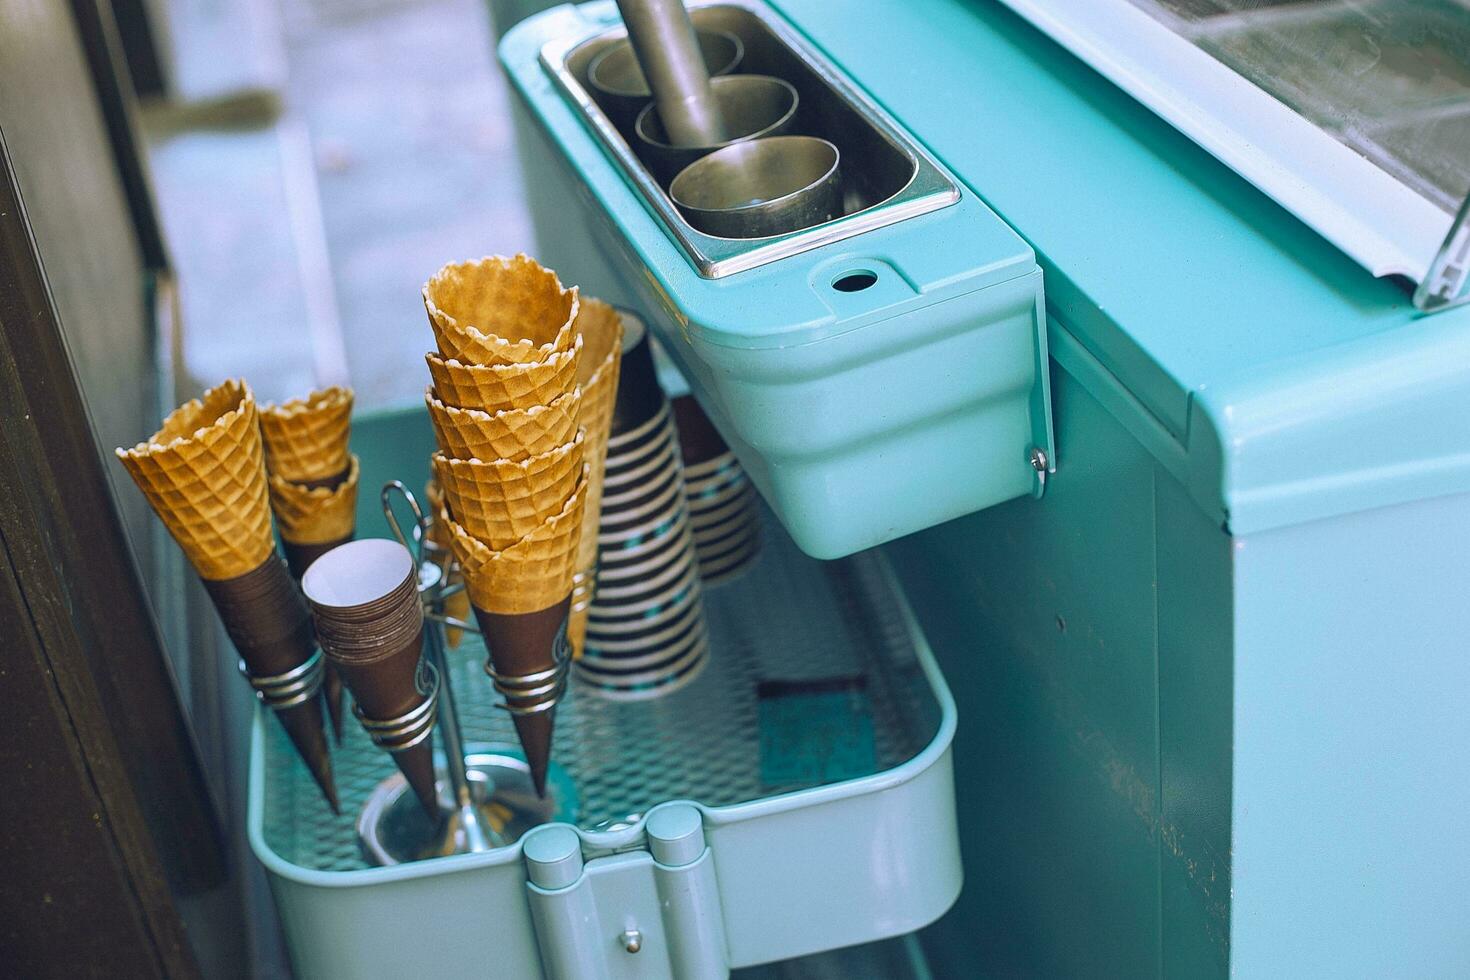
(1105,618)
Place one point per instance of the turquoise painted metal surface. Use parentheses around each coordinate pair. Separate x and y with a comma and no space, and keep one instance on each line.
(928,389)
(1211,683)
(1296,386)
(1188,753)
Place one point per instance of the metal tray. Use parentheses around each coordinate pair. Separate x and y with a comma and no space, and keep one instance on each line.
(806,840)
(888,176)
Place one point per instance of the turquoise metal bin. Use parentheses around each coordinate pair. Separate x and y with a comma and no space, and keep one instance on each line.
(811,840)
(1214,680)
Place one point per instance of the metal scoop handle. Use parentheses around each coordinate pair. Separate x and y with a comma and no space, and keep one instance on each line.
(663,39)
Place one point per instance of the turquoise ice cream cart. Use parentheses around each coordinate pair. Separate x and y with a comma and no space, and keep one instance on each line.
(1159,501)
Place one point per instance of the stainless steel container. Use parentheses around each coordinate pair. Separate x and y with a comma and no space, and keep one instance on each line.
(621,87)
(763,187)
(752,105)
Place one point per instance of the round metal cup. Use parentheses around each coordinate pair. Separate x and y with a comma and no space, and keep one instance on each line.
(617,78)
(761,187)
(752,105)
(393,828)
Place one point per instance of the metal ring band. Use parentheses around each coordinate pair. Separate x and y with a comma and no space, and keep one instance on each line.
(531,709)
(296,686)
(392,732)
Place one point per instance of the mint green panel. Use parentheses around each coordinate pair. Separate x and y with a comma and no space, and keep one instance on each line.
(860,416)
(1196,656)
(1043,616)
(1352,746)
(1297,386)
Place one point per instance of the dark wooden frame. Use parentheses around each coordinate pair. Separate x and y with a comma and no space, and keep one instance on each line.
(105,814)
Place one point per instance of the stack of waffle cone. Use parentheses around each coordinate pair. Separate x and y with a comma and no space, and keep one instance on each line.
(600,328)
(203,473)
(313,481)
(507,412)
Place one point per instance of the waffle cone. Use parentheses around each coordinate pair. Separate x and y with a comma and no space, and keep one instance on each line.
(203,473)
(502,502)
(583,582)
(315,515)
(600,327)
(456,606)
(466,433)
(499,311)
(306,438)
(495,387)
(532,574)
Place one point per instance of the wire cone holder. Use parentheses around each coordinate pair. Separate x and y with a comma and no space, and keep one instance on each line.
(415,725)
(472,805)
(296,686)
(536,692)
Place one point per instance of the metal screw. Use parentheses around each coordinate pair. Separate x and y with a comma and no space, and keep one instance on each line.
(632,940)
(1039,463)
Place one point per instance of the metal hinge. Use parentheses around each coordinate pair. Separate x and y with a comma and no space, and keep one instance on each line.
(1445,285)
(648,913)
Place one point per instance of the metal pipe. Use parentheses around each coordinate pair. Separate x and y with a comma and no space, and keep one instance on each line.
(663,38)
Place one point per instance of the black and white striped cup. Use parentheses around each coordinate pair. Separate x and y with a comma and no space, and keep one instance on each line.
(724,515)
(645,629)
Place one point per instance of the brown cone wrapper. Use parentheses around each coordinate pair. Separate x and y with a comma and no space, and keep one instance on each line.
(527,643)
(300,556)
(332,694)
(268,622)
(385,688)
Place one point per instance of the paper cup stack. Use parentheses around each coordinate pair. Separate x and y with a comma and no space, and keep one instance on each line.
(508,415)
(313,488)
(365,600)
(723,513)
(203,472)
(646,632)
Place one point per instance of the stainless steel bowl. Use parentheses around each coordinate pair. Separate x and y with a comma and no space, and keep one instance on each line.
(752,106)
(617,78)
(761,187)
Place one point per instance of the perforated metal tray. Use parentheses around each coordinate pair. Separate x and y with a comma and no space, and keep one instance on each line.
(790,624)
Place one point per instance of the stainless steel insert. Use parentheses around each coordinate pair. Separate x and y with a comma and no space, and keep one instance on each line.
(762,187)
(887,177)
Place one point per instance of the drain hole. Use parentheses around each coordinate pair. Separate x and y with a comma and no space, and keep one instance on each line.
(854,282)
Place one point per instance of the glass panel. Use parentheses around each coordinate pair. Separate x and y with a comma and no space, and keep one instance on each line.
(1390,78)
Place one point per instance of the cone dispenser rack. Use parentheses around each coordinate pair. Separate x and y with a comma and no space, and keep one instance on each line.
(719,826)
(481,794)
